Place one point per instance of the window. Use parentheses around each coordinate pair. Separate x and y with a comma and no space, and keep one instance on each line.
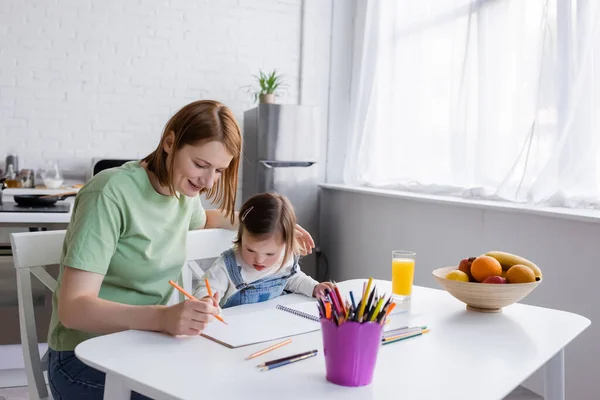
(488,98)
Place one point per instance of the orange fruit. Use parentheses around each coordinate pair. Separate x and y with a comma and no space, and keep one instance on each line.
(485,266)
(520,274)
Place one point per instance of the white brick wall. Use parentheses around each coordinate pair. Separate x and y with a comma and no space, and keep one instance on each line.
(87,78)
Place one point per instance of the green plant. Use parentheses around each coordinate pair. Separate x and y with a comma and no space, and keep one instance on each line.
(271,83)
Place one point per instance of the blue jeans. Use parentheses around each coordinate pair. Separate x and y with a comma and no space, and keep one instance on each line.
(71,379)
(258,291)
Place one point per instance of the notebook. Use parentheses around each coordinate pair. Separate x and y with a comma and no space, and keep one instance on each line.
(265,325)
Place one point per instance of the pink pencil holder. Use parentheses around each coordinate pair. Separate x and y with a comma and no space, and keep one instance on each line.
(350,351)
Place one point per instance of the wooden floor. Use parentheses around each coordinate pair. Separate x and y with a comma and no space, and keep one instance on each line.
(20,393)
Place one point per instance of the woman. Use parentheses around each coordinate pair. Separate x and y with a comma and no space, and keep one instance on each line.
(127,239)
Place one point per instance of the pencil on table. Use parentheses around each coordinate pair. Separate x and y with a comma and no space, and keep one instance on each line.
(396,331)
(278,360)
(268,349)
(405,337)
(290,361)
(189,296)
(403,333)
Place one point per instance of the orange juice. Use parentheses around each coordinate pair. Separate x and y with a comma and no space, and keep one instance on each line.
(403,273)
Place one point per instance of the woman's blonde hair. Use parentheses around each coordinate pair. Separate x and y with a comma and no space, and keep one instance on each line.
(266,214)
(201,122)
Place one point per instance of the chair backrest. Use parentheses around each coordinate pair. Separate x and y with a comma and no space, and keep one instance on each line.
(34,250)
(201,244)
(31,252)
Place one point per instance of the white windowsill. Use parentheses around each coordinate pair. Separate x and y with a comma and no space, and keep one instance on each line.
(584,215)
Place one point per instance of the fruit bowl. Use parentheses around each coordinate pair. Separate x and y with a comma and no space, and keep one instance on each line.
(484,297)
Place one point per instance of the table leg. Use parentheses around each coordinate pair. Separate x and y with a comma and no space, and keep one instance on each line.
(554,377)
(114,388)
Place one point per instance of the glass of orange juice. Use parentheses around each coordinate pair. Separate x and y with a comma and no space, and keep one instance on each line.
(403,274)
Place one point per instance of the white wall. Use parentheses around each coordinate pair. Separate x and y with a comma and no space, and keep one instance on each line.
(86,78)
(342,35)
(359,231)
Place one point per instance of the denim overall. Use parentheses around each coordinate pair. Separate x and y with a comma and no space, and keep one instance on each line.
(255,292)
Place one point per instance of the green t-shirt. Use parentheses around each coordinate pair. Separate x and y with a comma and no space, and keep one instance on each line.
(125,230)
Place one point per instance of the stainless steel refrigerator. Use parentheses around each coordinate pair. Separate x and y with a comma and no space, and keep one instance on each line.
(280,154)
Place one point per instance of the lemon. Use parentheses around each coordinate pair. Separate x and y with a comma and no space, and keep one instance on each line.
(457,275)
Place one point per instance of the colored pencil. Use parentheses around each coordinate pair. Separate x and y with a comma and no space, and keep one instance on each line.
(361,310)
(406,337)
(278,360)
(208,287)
(373,306)
(377,309)
(339,298)
(290,361)
(268,349)
(189,296)
(352,299)
(406,332)
(383,314)
(390,308)
(395,331)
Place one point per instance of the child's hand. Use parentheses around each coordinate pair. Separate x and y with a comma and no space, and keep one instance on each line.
(305,241)
(212,300)
(319,290)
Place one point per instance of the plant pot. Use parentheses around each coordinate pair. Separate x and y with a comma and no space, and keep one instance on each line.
(267,98)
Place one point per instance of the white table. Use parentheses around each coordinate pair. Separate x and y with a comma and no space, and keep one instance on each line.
(467,355)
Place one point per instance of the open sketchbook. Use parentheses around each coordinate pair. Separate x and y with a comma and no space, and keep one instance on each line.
(262,326)
(266,325)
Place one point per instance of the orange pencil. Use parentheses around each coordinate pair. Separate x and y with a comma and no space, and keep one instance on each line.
(189,296)
(268,349)
(389,310)
(208,287)
(340,299)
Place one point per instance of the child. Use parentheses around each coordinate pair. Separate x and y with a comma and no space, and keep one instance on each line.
(264,259)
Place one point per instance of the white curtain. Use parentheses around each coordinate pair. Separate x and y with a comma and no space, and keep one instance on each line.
(487,99)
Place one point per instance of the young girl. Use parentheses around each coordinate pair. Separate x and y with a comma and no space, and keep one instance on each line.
(264,259)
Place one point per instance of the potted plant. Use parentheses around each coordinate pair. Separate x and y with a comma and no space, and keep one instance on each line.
(269,87)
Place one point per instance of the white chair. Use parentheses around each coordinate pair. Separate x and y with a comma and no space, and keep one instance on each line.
(34,250)
(201,244)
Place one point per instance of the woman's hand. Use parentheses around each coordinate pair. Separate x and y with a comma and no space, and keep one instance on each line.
(189,317)
(305,241)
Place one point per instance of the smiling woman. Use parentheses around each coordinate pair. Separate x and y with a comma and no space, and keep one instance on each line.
(201,144)
(127,239)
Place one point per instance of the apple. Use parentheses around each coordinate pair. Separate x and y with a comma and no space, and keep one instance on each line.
(494,279)
(465,266)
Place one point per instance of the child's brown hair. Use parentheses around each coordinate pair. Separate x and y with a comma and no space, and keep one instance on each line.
(267,214)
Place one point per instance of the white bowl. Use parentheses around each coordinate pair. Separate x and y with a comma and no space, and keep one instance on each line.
(53,183)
